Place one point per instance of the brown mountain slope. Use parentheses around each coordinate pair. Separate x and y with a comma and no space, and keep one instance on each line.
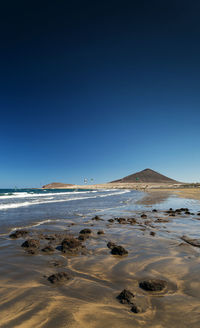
(55,185)
(146,176)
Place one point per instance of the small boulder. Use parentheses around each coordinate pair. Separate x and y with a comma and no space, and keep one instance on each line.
(153,285)
(121,220)
(132,220)
(48,249)
(32,251)
(110,244)
(51,238)
(162,220)
(126,297)
(18,233)
(85,231)
(136,309)
(31,243)
(70,244)
(118,250)
(100,232)
(112,220)
(59,277)
(97,218)
(143,216)
(82,237)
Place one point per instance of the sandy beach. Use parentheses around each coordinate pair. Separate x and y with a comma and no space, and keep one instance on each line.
(95,277)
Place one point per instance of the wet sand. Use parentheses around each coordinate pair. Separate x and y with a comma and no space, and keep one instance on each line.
(190,193)
(97,277)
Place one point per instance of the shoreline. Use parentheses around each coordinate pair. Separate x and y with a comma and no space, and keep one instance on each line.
(132,186)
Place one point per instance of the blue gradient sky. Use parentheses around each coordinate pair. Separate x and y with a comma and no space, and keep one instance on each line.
(98,90)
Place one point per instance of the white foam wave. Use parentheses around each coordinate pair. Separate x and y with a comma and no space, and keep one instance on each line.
(24,204)
(31,194)
(35,225)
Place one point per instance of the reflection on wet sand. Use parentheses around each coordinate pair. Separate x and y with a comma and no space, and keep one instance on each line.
(97,277)
(154,197)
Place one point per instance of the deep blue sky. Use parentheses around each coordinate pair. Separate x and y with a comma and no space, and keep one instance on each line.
(98,89)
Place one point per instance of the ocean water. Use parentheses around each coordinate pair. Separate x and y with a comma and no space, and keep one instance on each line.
(28,207)
(25,208)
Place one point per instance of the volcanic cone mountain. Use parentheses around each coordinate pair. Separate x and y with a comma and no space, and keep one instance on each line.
(146,176)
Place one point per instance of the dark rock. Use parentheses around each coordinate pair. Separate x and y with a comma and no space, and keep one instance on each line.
(154,210)
(97,218)
(136,309)
(111,220)
(47,249)
(32,251)
(110,244)
(161,220)
(50,238)
(187,212)
(83,237)
(184,209)
(153,285)
(18,234)
(125,297)
(121,220)
(143,216)
(100,232)
(152,233)
(118,250)
(70,244)
(87,231)
(191,241)
(59,277)
(198,213)
(132,220)
(31,243)
(172,214)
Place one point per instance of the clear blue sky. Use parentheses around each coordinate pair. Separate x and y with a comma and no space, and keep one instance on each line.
(98,90)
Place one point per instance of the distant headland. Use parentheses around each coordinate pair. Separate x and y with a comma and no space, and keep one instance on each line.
(147,178)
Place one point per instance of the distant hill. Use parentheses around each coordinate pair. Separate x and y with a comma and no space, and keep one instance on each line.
(146,176)
(55,185)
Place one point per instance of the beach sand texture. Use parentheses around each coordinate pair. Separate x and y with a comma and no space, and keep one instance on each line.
(97,277)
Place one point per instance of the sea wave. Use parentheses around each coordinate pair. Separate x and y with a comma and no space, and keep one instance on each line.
(37,224)
(38,202)
(31,194)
